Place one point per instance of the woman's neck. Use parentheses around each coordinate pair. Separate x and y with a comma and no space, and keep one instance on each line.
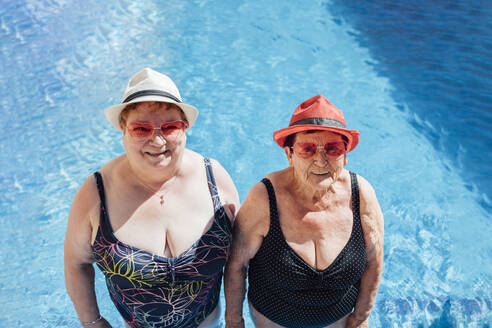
(154,181)
(311,197)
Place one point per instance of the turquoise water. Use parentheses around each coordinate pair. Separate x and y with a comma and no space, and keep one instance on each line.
(246,66)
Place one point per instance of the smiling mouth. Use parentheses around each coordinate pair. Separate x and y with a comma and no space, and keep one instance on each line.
(163,153)
(321,174)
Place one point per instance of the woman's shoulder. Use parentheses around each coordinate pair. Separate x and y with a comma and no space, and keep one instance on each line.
(226,188)
(110,167)
(88,196)
(366,191)
(86,202)
(255,209)
(191,163)
(192,155)
(258,194)
(280,179)
(370,209)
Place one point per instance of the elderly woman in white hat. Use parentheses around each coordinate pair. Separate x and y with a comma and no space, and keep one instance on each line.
(311,234)
(156,220)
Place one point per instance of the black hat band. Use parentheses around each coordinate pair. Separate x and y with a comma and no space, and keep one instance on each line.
(320,121)
(144,93)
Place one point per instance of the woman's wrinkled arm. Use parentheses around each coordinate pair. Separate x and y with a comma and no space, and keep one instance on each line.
(373,228)
(79,272)
(250,227)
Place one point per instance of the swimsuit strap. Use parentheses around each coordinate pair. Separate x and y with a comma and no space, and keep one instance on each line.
(100,189)
(212,186)
(355,202)
(272,199)
(103,217)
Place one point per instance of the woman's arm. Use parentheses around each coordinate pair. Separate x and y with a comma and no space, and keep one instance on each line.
(373,228)
(79,272)
(250,227)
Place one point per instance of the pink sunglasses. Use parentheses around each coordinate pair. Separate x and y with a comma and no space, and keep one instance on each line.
(146,130)
(308,149)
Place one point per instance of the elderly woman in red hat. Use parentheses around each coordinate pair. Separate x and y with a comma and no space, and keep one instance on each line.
(155,220)
(311,234)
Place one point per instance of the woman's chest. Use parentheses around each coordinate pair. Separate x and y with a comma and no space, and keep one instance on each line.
(316,251)
(317,237)
(166,229)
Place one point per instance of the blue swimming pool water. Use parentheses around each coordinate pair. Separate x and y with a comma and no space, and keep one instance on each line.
(398,73)
(438,56)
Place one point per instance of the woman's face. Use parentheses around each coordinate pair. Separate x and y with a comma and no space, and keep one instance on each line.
(157,151)
(320,170)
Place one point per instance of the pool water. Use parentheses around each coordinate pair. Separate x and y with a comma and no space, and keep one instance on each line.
(414,79)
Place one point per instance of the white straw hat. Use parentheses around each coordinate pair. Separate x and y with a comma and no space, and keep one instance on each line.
(149,85)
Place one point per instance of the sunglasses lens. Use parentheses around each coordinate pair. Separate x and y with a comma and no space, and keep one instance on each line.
(173,127)
(146,130)
(335,148)
(305,149)
(140,130)
(308,149)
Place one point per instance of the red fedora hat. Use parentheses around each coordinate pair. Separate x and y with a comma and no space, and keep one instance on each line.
(317,113)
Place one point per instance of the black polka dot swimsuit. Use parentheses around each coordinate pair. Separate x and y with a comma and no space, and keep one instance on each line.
(291,293)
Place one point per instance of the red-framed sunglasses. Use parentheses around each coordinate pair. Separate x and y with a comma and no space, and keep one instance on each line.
(308,149)
(146,130)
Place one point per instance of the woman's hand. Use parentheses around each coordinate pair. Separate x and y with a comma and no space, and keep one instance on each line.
(353,322)
(100,324)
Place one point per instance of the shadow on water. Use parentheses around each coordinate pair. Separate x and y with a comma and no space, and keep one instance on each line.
(434,312)
(437,56)
(446,320)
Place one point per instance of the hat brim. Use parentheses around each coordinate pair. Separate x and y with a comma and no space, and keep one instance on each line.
(113,113)
(352,135)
